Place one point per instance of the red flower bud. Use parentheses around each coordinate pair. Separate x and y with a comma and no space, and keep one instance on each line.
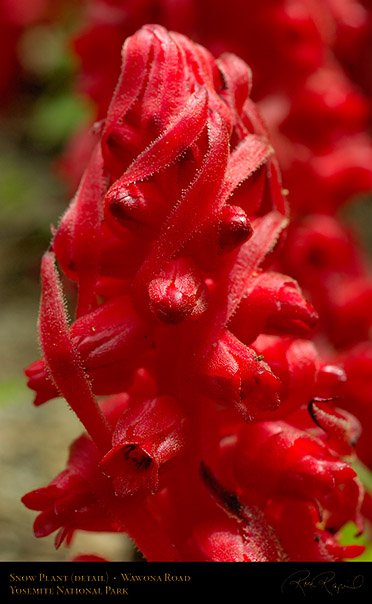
(296,363)
(235,227)
(275,457)
(272,302)
(236,375)
(141,208)
(178,293)
(330,381)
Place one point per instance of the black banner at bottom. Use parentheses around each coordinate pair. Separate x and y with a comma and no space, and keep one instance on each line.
(134,581)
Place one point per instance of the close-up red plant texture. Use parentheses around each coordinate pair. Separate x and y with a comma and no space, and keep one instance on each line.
(216,339)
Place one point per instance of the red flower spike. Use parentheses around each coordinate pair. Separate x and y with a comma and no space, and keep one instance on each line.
(178,293)
(314,109)
(251,153)
(302,365)
(39,381)
(318,246)
(183,197)
(216,542)
(225,541)
(114,406)
(295,362)
(112,332)
(204,69)
(161,89)
(245,160)
(356,362)
(295,314)
(119,257)
(349,308)
(148,435)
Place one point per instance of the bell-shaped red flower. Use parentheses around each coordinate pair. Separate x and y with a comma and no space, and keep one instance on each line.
(72,500)
(149,434)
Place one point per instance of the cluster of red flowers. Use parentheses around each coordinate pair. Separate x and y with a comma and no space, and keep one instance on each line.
(222,405)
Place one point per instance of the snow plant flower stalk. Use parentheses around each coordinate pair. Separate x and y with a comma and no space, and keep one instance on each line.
(319,117)
(212,432)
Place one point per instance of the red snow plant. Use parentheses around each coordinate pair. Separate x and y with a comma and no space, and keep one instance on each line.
(212,432)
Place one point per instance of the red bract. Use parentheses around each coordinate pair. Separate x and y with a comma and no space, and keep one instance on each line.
(171,240)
